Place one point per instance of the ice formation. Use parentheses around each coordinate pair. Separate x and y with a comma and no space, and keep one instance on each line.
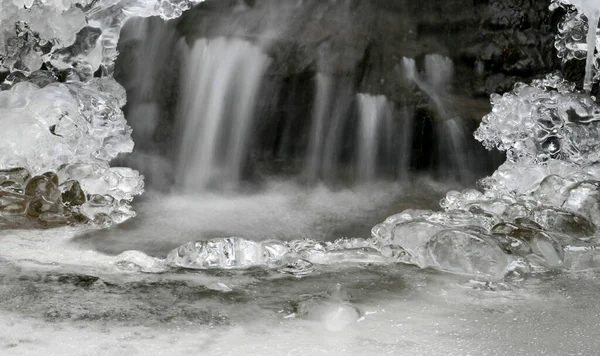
(579,36)
(58,119)
(293,257)
(540,209)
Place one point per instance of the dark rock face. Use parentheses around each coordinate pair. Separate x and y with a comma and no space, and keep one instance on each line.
(503,40)
(492,43)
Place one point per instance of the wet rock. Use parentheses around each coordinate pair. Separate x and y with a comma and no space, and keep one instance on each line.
(45,197)
(71,193)
(12,204)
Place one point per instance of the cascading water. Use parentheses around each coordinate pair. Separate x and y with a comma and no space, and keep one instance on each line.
(221,79)
(322,110)
(374,117)
(453,153)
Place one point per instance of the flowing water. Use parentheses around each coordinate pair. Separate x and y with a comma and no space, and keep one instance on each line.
(220,83)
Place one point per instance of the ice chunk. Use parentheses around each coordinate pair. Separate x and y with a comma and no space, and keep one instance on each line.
(548,251)
(582,258)
(226,253)
(352,255)
(552,190)
(556,219)
(584,199)
(465,252)
(413,234)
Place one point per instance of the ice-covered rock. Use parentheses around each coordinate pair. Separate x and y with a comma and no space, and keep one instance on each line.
(559,220)
(59,118)
(74,35)
(584,199)
(72,129)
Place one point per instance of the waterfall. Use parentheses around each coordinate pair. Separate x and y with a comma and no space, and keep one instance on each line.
(330,115)
(453,154)
(220,81)
(374,113)
(321,106)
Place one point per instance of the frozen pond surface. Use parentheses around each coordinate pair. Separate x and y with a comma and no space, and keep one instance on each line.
(59,297)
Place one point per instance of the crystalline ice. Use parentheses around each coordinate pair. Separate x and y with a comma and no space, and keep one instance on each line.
(552,190)
(579,36)
(556,219)
(465,252)
(542,121)
(584,258)
(40,30)
(294,257)
(412,234)
(584,199)
(63,127)
(226,253)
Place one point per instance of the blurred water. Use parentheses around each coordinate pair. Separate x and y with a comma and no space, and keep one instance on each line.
(220,81)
